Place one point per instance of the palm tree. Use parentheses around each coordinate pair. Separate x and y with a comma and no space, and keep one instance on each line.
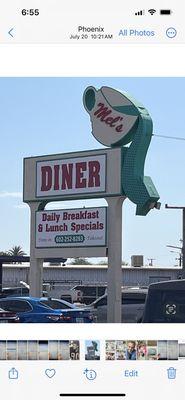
(16,251)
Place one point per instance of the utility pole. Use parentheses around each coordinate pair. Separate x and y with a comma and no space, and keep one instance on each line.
(150,261)
(183,234)
(179,259)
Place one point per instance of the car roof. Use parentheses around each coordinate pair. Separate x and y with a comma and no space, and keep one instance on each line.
(30,298)
(90,285)
(14,288)
(178,284)
(126,291)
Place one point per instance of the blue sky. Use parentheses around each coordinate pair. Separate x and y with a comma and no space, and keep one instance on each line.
(46,115)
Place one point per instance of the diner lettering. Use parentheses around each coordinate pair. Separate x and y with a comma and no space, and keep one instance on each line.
(74,175)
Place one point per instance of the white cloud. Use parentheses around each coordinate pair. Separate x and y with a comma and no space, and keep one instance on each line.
(3,194)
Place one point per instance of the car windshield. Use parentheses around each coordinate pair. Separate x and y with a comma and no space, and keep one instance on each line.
(127,298)
(16,305)
(14,291)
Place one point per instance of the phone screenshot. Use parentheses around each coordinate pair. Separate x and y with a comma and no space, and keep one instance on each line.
(92,209)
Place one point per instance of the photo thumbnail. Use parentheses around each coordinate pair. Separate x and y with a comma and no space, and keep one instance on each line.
(39,350)
(144,350)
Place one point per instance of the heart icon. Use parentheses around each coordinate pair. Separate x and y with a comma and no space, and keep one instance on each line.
(50,373)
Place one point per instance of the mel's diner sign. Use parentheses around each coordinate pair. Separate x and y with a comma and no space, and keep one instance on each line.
(114,115)
(85,227)
(71,176)
(123,125)
(117,120)
(95,173)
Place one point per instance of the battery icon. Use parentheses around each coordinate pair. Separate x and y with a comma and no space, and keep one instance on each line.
(165,12)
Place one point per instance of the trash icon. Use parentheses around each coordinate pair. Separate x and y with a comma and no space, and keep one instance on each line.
(171,373)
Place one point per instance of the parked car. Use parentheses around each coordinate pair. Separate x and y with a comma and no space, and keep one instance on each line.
(165,302)
(133,303)
(31,309)
(7,316)
(86,294)
(14,291)
(17,291)
(69,295)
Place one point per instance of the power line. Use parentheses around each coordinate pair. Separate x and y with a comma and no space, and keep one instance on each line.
(169,137)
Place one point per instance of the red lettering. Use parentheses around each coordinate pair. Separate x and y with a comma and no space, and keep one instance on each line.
(102,112)
(113,124)
(109,120)
(67,176)
(119,128)
(80,180)
(46,178)
(56,177)
(94,174)
(77,175)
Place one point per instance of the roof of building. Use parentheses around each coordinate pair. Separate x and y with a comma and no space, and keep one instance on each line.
(93,266)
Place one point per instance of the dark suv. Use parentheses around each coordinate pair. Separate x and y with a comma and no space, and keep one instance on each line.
(165,302)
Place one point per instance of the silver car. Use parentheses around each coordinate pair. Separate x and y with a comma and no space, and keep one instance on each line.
(133,303)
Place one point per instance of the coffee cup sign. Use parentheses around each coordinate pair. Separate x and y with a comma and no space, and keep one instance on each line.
(114,116)
(117,120)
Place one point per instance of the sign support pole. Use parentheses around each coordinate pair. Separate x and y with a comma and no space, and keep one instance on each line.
(114,273)
(36,264)
(1,275)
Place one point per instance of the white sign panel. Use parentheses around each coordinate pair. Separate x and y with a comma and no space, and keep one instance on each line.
(113,115)
(71,176)
(85,227)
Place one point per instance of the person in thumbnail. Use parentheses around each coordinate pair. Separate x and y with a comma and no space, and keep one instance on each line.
(141,351)
(131,350)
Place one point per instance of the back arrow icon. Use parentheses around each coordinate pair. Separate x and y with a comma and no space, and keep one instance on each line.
(10,32)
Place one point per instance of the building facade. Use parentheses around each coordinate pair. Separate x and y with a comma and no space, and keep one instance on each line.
(13,274)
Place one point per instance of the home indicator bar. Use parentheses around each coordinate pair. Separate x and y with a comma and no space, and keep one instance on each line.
(93,395)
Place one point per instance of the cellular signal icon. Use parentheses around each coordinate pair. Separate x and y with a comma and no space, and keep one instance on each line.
(141,12)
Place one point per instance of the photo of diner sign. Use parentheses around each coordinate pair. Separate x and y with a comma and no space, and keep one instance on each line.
(85,227)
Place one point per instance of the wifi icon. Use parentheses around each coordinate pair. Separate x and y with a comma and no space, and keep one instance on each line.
(152,11)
